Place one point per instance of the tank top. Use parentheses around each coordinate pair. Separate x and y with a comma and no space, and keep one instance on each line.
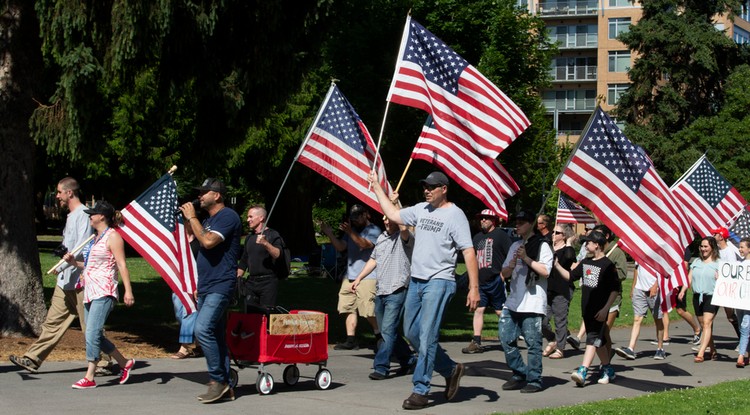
(100,274)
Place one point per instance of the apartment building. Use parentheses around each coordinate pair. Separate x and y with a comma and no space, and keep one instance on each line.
(592,65)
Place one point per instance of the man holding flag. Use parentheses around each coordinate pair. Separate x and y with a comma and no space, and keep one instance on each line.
(441,230)
(219,236)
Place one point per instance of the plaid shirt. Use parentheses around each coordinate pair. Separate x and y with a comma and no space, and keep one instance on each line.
(393,257)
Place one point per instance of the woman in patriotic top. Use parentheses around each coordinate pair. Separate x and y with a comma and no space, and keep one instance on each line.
(103,257)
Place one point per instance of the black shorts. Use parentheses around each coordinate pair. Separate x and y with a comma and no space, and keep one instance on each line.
(681,304)
(705,306)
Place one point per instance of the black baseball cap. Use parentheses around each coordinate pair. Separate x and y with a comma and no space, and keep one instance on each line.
(212,185)
(525,216)
(101,208)
(435,178)
(595,237)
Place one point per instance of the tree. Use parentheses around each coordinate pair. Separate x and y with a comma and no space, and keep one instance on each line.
(22,307)
(722,137)
(680,73)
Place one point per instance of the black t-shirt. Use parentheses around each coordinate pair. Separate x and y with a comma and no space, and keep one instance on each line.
(598,279)
(492,248)
(256,258)
(556,284)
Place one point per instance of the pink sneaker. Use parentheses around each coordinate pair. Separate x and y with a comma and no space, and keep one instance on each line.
(84,384)
(125,372)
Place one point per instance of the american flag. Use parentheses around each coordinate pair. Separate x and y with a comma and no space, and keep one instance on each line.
(709,201)
(339,147)
(152,228)
(464,103)
(740,228)
(569,212)
(482,176)
(615,179)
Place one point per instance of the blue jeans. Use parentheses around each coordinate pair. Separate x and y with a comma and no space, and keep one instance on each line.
(743,318)
(211,330)
(95,314)
(388,311)
(423,313)
(187,322)
(530,326)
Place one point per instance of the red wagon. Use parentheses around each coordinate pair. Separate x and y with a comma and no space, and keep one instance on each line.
(297,337)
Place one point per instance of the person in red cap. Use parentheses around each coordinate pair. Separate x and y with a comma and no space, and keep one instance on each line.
(729,253)
(491,245)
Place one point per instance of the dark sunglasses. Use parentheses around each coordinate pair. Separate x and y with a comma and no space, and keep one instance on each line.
(431,187)
(557,232)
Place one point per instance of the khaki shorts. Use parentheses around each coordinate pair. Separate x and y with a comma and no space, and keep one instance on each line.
(361,302)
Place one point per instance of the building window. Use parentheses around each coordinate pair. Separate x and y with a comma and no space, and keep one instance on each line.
(619,61)
(577,36)
(745,11)
(618,25)
(614,91)
(741,36)
(620,3)
(570,100)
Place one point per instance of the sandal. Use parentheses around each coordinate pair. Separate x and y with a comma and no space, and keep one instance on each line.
(740,362)
(181,355)
(714,355)
(551,347)
(557,354)
(698,359)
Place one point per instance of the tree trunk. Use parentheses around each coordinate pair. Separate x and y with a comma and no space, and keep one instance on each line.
(22,308)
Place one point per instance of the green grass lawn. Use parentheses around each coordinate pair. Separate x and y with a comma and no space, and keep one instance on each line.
(726,398)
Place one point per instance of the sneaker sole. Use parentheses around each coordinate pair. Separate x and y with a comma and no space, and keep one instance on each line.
(578,379)
(129,367)
(17,362)
(624,355)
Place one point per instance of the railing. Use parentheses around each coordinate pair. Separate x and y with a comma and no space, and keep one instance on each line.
(576,73)
(576,40)
(567,8)
(584,104)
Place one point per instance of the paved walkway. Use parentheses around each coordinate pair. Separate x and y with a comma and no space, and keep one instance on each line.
(166,386)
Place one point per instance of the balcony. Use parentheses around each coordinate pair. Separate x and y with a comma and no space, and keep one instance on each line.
(573,73)
(569,105)
(576,40)
(567,8)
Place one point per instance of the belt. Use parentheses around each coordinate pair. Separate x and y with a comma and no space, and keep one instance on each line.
(260,277)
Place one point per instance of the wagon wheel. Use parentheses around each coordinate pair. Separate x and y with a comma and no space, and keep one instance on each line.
(234,378)
(264,384)
(291,375)
(323,379)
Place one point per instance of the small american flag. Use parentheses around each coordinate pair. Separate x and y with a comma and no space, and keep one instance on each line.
(741,227)
(482,176)
(709,201)
(339,148)
(464,103)
(569,212)
(615,179)
(158,234)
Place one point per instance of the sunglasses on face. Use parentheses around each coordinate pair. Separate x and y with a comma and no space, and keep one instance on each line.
(557,232)
(431,187)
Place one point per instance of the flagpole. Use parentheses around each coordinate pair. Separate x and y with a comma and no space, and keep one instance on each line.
(578,144)
(401,180)
(689,171)
(73,252)
(299,151)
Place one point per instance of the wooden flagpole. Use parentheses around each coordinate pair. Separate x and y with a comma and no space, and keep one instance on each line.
(74,252)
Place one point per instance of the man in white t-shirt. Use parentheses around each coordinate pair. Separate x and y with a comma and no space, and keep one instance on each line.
(645,297)
(525,269)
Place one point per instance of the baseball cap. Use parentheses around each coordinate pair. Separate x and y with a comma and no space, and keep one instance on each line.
(526,216)
(102,208)
(595,237)
(212,185)
(356,211)
(435,178)
(721,231)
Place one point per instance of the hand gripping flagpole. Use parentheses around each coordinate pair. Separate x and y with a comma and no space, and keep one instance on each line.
(74,252)
(299,151)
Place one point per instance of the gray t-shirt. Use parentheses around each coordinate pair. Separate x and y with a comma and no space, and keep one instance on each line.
(439,235)
(357,257)
(77,229)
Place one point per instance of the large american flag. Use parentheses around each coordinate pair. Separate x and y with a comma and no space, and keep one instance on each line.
(482,176)
(709,201)
(615,179)
(339,147)
(464,103)
(569,212)
(158,234)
